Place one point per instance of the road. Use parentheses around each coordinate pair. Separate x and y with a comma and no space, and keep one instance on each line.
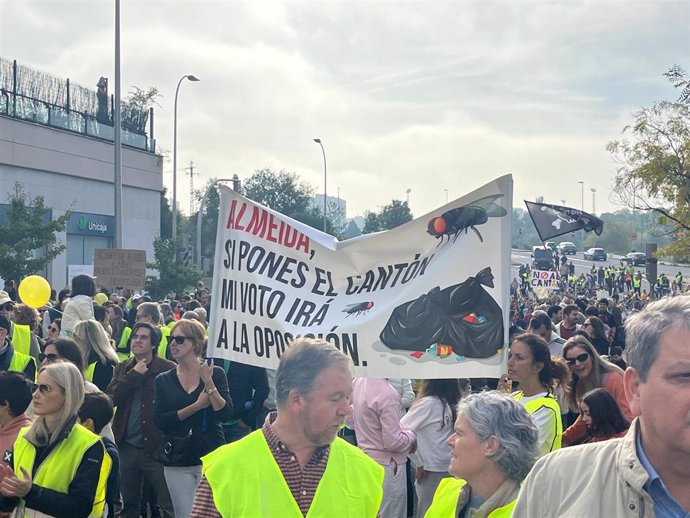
(519,257)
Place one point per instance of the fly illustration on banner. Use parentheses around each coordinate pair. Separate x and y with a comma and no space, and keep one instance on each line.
(357,309)
(454,221)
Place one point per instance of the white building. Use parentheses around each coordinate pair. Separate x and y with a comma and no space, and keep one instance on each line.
(50,156)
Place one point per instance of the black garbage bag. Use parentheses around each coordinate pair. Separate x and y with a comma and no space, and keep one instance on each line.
(463,316)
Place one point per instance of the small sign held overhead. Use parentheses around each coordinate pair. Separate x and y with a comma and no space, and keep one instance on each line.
(119,268)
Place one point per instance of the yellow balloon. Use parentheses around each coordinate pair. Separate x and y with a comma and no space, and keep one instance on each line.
(34,291)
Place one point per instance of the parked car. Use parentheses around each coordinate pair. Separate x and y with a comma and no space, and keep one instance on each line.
(634,259)
(567,248)
(596,254)
(543,258)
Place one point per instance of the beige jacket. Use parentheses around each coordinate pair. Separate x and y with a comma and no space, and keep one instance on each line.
(593,480)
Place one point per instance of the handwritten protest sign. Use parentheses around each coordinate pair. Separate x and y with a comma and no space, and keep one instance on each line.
(544,279)
(119,268)
(428,299)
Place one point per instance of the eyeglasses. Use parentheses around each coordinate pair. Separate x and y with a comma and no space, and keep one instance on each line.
(178,339)
(580,358)
(47,358)
(42,388)
(587,324)
(7,307)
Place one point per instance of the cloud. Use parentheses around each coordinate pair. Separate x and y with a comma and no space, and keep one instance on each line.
(421,95)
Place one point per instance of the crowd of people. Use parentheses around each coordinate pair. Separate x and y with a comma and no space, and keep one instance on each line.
(109,407)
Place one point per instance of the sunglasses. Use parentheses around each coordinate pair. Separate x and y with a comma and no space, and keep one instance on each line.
(581,358)
(53,330)
(178,339)
(42,388)
(7,307)
(49,358)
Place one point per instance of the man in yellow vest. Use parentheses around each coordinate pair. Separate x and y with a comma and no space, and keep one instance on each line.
(10,358)
(296,465)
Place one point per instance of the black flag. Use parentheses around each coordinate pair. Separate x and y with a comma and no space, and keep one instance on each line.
(556,220)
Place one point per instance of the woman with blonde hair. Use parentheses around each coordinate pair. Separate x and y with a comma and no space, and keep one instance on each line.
(98,352)
(190,403)
(60,467)
(590,371)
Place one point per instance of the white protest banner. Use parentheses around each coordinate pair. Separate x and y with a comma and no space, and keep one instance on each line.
(428,299)
(544,279)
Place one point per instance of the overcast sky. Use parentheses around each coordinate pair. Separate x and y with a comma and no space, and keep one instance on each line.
(421,95)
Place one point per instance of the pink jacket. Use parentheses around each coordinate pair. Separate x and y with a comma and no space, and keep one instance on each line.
(9,432)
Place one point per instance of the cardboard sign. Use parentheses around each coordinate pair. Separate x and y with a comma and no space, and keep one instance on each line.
(119,268)
(428,299)
(544,279)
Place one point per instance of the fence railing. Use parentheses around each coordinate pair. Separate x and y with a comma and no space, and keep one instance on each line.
(33,95)
(35,110)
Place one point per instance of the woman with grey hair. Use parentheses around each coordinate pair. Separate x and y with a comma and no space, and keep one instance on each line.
(60,467)
(494,446)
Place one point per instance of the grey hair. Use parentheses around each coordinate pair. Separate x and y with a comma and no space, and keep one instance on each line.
(643,331)
(151,310)
(90,336)
(302,363)
(66,376)
(498,415)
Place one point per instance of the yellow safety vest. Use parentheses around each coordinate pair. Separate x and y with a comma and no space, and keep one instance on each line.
(122,352)
(445,501)
(163,347)
(19,362)
(58,469)
(637,282)
(549,402)
(247,482)
(21,338)
(90,369)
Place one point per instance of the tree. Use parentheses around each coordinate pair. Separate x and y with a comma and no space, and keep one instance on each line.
(28,229)
(390,216)
(166,216)
(173,277)
(678,78)
(284,192)
(654,170)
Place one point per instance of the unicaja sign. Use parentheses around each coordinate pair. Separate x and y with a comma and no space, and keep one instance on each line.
(86,224)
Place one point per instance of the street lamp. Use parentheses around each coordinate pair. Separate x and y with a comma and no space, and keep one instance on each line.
(325,177)
(594,194)
(174,204)
(446,191)
(582,198)
(407,197)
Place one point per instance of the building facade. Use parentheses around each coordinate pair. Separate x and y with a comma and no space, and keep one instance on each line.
(73,170)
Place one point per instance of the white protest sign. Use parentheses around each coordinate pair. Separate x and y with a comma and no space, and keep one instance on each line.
(544,279)
(427,299)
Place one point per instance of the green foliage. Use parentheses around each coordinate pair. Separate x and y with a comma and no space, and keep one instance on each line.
(284,192)
(390,216)
(173,277)
(654,171)
(166,216)
(29,228)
